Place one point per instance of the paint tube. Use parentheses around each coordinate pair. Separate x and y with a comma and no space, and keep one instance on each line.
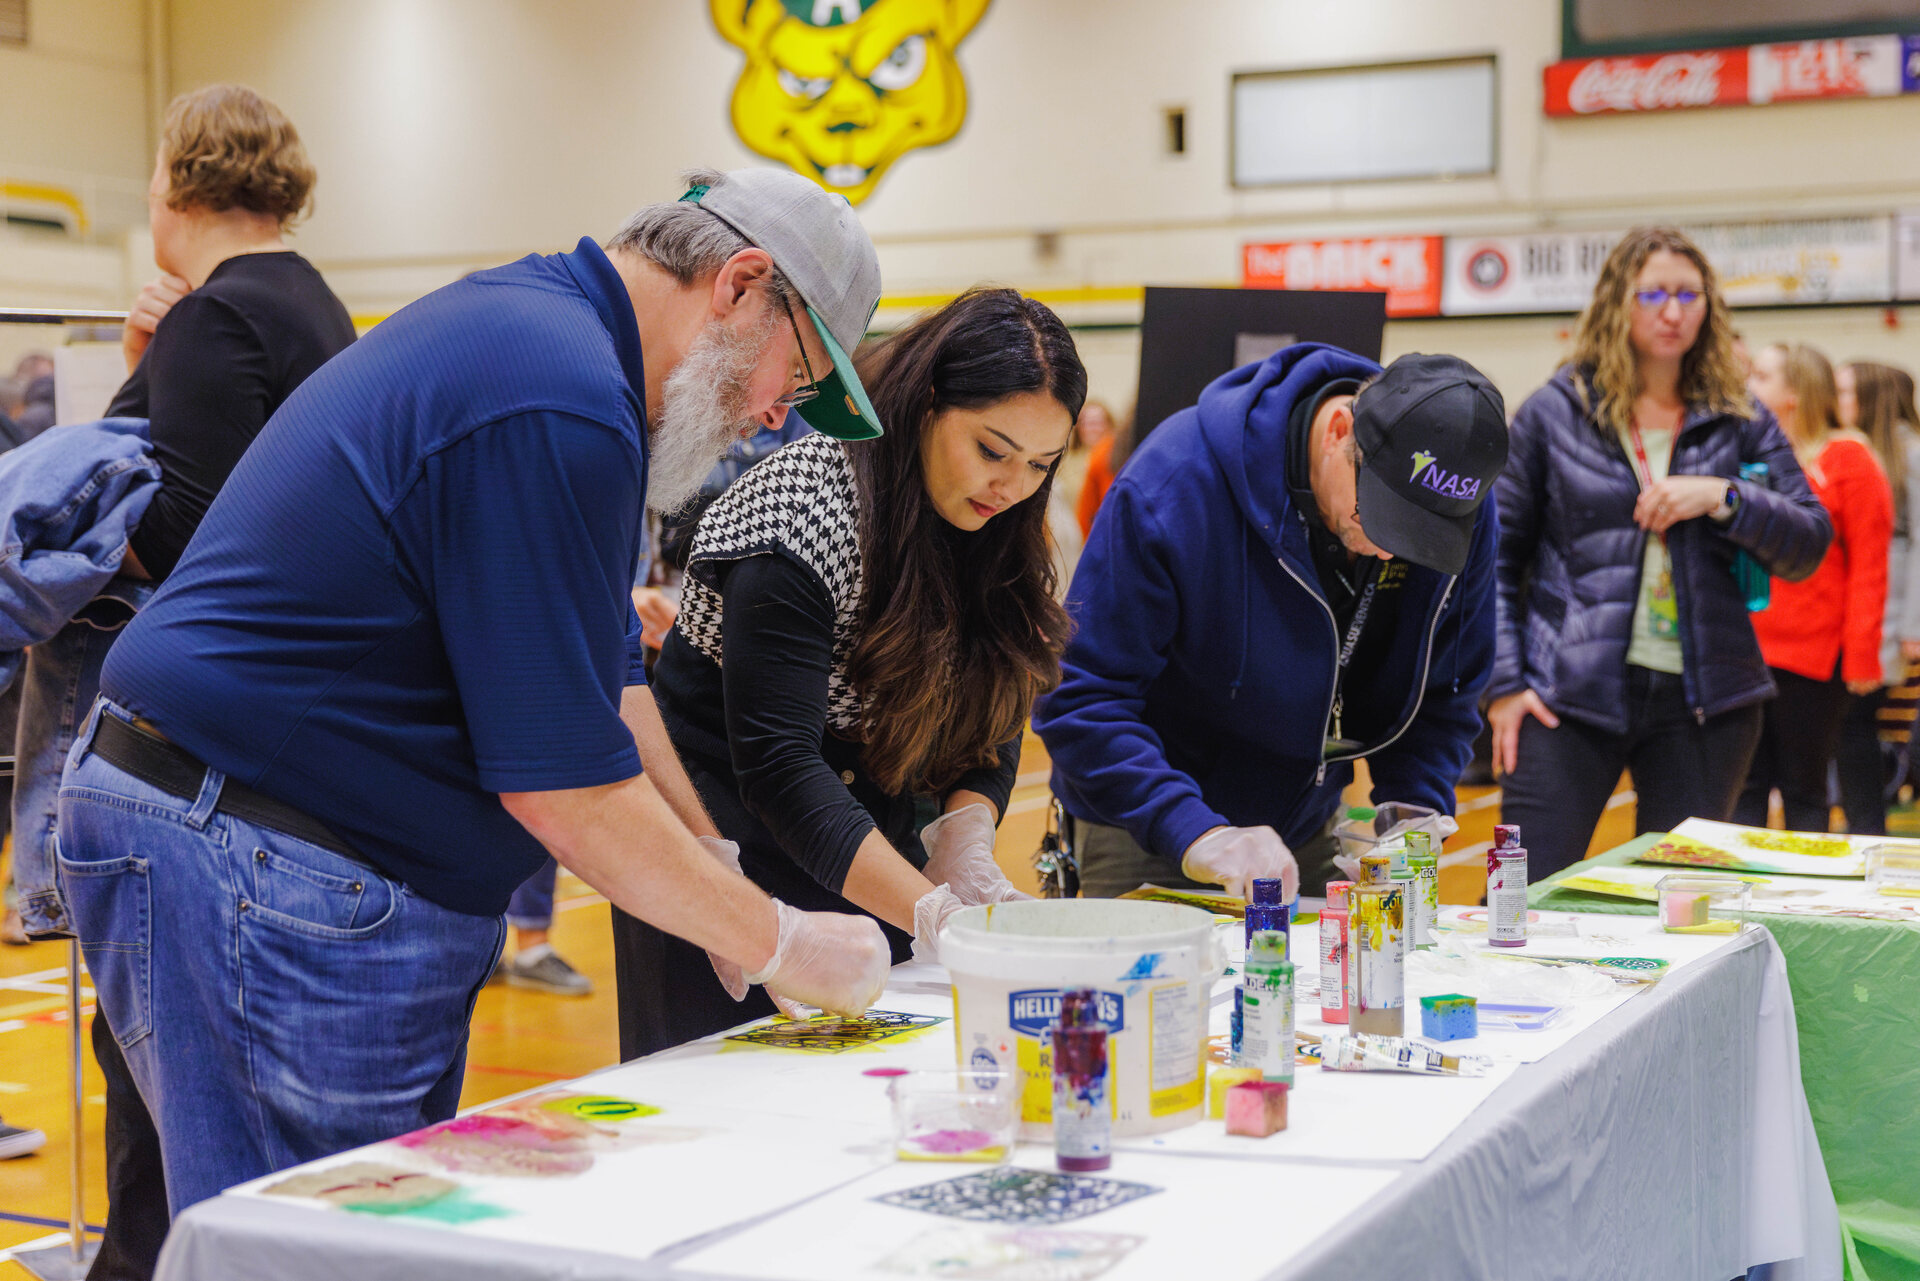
(1507,888)
(1425,904)
(1360,1053)
(1268,1042)
(1334,953)
(1378,930)
(1082,1119)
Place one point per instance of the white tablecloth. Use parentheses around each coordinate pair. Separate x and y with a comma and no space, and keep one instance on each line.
(1668,1139)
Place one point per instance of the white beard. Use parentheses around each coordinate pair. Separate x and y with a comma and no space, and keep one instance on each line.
(703,412)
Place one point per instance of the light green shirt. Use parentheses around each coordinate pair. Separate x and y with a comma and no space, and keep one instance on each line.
(1656,632)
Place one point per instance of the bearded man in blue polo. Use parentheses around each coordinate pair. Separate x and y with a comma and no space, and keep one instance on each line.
(1293,575)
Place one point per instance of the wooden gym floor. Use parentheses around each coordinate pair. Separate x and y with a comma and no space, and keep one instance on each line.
(520,1038)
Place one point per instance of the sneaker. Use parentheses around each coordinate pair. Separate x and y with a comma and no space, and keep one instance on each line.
(12,931)
(544,970)
(15,1141)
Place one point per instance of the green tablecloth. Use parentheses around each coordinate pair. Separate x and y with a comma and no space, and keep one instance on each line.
(1856,998)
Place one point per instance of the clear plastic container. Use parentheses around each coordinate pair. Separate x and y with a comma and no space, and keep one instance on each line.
(1893,867)
(1366,828)
(954,1114)
(1704,904)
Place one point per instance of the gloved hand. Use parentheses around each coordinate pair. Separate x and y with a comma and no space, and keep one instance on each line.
(727,854)
(1236,857)
(834,960)
(930,912)
(960,856)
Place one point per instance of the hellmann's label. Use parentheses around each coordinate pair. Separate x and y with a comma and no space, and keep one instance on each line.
(1035,1011)
(1032,1014)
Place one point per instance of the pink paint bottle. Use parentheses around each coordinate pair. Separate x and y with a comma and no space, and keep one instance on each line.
(1507,888)
(1082,1121)
(1334,926)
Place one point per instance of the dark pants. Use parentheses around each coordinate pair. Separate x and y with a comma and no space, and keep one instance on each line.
(1796,742)
(1863,766)
(1112,863)
(137,1217)
(1681,769)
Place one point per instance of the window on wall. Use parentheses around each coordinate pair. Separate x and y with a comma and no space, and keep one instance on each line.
(1351,124)
(13,21)
(1594,27)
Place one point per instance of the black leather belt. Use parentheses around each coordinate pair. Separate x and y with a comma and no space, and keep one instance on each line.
(155,761)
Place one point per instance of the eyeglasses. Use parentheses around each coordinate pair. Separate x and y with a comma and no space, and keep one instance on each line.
(1657,298)
(811,390)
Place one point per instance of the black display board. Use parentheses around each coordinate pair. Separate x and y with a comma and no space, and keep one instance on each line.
(1189,337)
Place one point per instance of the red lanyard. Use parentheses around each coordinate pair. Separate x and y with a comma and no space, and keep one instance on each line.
(1645,475)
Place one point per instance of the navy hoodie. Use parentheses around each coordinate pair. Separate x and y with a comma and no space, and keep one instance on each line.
(1197,689)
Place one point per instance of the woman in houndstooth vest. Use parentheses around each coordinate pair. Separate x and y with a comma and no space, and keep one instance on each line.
(864,629)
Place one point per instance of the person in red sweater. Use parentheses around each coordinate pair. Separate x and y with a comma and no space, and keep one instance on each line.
(1820,636)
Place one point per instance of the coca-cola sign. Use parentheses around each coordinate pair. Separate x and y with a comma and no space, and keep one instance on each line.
(1860,67)
(1657,82)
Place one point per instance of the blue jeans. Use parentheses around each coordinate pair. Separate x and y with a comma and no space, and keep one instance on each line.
(531,907)
(58,683)
(276,1001)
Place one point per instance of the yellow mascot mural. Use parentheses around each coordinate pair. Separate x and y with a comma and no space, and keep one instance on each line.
(840,89)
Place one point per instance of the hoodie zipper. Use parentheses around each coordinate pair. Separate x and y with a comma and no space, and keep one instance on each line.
(1333,697)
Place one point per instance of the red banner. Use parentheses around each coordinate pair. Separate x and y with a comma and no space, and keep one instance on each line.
(1407,267)
(1647,82)
(1858,67)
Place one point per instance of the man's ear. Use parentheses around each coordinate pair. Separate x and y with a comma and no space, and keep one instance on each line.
(1339,426)
(736,280)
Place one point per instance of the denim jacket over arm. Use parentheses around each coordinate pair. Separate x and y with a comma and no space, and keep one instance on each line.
(69,498)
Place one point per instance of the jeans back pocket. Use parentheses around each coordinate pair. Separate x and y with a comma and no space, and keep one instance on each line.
(111,902)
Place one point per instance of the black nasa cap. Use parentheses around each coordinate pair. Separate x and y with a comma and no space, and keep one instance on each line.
(1432,433)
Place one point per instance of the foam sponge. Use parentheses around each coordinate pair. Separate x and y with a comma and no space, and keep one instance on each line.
(1679,911)
(1220,1080)
(1257,1108)
(1449,1018)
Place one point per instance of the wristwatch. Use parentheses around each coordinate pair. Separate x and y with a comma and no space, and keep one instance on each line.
(1728,505)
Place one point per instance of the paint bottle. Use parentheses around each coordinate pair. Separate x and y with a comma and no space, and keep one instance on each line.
(1265,911)
(1425,905)
(1334,953)
(1507,888)
(1269,1008)
(1375,869)
(1082,1120)
(1378,930)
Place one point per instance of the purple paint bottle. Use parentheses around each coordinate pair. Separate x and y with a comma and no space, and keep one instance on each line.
(1507,888)
(1082,1121)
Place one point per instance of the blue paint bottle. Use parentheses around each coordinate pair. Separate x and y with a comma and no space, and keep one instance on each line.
(1265,911)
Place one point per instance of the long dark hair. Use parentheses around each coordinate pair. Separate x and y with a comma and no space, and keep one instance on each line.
(959,631)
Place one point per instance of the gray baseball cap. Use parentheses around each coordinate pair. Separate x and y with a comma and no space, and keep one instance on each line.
(815,239)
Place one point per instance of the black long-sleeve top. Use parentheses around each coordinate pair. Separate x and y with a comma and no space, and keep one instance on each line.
(755,725)
(221,362)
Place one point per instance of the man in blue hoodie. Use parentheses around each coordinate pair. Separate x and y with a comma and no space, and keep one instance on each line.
(1294,574)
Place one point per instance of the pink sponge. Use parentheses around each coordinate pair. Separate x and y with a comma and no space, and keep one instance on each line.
(1257,1108)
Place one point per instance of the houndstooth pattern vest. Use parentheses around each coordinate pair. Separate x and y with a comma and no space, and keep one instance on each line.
(801,502)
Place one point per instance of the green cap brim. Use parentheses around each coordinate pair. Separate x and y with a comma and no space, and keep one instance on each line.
(842,409)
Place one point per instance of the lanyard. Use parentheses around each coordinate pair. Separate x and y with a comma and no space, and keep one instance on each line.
(1645,472)
(1346,651)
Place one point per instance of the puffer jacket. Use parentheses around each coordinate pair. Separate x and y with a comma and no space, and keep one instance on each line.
(1570,557)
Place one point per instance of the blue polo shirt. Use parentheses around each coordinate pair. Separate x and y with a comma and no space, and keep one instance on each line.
(412,593)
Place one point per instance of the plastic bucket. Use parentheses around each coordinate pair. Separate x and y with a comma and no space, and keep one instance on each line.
(1154,965)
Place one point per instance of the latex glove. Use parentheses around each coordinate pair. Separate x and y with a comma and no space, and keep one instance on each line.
(1349,867)
(727,855)
(1439,826)
(834,960)
(930,912)
(1236,857)
(960,856)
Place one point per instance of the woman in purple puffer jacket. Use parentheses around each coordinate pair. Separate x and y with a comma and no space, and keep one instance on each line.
(1622,638)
